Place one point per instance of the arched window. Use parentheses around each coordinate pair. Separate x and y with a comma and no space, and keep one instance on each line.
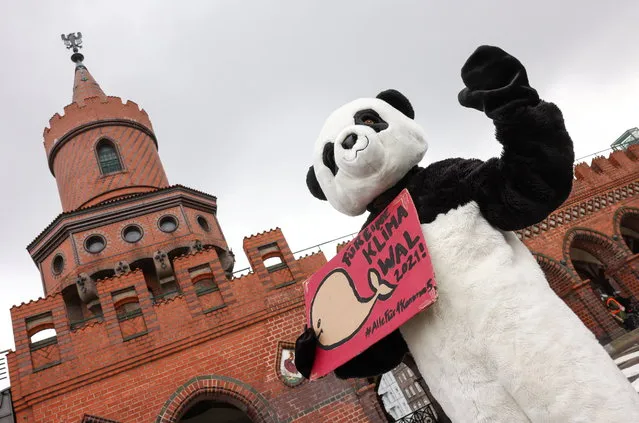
(629,228)
(274,263)
(108,157)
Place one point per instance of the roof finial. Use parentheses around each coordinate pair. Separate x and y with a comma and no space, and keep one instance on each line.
(74,41)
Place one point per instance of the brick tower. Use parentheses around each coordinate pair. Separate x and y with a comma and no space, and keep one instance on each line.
(142,318)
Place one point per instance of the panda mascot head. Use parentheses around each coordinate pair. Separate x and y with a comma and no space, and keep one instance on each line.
(364,148)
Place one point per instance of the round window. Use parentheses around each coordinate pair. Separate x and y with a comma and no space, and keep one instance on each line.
(168,224)
(203,223)
(58,264)
(95,244)
(132,233)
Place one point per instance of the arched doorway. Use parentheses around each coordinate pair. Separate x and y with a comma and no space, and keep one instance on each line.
(589,267)
(601,262)
(629,229)
(581,299)
(592,256)
(212,396)
(211,411)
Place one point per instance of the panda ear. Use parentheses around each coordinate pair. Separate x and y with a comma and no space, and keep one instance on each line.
(313,185)
(398,101)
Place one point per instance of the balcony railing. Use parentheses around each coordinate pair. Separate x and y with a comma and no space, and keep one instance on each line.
(425,414)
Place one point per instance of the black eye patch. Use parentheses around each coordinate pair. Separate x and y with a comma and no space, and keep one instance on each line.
(370,117)
(328,157)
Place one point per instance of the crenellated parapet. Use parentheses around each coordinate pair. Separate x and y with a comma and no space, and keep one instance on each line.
(604,171)
(341,245)
(271,258)
(92,112)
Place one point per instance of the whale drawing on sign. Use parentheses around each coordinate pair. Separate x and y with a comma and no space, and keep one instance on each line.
(338,311)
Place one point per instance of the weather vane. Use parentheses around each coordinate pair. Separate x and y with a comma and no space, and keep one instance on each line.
(74,41)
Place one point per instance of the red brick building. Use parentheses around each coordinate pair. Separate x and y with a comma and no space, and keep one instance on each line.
(589,245)
(143,319)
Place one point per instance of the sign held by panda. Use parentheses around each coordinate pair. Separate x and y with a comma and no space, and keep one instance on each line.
(377,282)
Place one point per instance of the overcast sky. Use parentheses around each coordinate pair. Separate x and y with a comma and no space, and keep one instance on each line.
(238,90)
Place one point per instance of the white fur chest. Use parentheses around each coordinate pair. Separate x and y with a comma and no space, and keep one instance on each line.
(475,264)
(499,345)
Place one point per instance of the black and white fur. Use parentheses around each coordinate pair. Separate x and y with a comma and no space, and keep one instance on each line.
(498,345)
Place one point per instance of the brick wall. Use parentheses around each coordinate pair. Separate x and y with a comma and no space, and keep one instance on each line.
(603,193)
(150,365)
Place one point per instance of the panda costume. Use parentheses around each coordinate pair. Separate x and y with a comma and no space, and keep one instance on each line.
(498,345)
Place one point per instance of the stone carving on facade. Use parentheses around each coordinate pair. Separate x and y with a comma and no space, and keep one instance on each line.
(196,246)
(227,260)
(86,288)
(122,268)
(161,259)
(163,267)
(95,307)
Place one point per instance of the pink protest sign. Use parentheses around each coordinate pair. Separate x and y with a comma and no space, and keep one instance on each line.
(378,281)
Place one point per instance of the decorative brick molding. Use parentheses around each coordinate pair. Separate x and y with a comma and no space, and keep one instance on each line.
(620,213)
(596,243)
(217,388)
(611,253)
(575,212)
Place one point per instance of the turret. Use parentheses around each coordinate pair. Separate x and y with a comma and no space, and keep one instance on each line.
(101,148)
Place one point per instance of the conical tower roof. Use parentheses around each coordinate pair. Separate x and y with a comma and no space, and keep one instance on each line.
(84,85)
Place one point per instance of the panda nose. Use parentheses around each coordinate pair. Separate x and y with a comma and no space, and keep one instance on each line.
(349,141)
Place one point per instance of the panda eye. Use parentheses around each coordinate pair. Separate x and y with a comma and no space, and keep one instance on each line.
(370,118)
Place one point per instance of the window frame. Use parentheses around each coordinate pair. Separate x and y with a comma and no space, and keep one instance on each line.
(132,226)
(114,146)
(54,270)
(168,216)
(94,235)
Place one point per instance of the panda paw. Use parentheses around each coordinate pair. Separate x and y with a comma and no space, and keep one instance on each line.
(495,82)
(305,352)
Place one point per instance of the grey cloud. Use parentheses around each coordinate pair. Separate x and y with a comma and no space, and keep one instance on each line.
(237,92)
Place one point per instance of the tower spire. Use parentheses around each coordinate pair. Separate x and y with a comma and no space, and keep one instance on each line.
(84,85)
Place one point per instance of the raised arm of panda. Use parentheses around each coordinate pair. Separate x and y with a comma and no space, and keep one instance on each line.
(534,174)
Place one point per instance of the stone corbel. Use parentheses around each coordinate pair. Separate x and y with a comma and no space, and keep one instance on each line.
(163,267)
(227,260)
(122,268)
(88,292)
(196,246)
